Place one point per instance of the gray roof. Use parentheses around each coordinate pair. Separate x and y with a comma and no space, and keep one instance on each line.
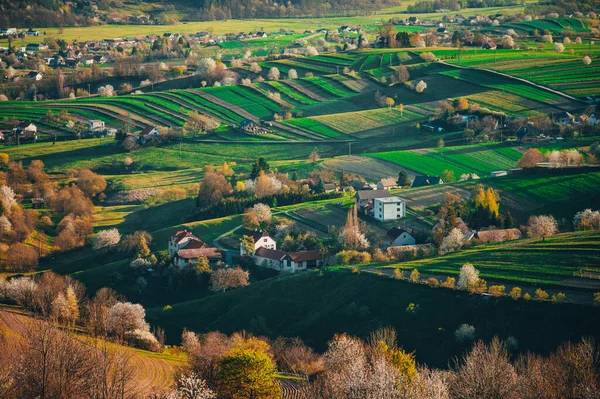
(372,194)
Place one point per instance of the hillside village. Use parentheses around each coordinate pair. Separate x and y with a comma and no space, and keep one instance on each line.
(299,200)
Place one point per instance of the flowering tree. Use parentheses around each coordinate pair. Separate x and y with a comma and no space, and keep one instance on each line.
(468,276)
(273,74)
(205,67)
(292,74)
(420,87)
(191,386)
(587,220)
(350,236)
(126,316)
(223,279)
(107,238)
(542,226)
(453,241)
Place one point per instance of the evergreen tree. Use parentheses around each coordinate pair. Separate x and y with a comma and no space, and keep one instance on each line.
(320,187)
(295,176)
(259,165)
(403,179)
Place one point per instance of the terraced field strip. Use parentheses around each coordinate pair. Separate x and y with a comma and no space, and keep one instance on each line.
(304,90)
(258,106)
(468,159)
(329,86)
(288,92)
(509,103)
(135,106)
(313,127)
(521,260)
(522,89)
(354,122)
(113,112)
(211,107)
(186,104)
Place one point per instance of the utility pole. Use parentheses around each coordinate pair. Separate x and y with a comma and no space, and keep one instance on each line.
(349,148)
(89,89)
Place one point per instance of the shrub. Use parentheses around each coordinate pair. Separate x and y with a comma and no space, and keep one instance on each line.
(478,287)
(541,295)
(433,282)
(515,293)
(558,298)
(496,290)
(597,298)
(398,275)
(449,283)
(527,297)
(464,333)
(414,276)
(412,308)
(349,257)
(142,339)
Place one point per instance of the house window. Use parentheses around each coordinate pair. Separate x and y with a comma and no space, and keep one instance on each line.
(265,240)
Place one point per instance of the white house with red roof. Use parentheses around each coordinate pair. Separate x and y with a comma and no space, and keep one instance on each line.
(261,240)
(185,247)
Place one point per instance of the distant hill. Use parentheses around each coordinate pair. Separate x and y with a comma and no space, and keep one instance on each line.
(48,13)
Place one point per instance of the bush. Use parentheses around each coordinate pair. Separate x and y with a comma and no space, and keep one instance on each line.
(414,276)
(143,340)
(398,275)
(449,283)
(515,293)
(350,257)
(464,333)
(433,282)
(559,298)
(541,295)
(496,290)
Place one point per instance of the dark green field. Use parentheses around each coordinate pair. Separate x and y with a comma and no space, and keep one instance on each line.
(314,306)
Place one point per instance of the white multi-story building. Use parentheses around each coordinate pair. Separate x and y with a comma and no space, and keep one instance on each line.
(388,208)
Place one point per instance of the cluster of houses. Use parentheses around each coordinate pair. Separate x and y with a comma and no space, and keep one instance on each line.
(25,131)
(252,127)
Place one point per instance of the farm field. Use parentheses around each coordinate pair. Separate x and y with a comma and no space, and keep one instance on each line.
(479,159)
(530,261)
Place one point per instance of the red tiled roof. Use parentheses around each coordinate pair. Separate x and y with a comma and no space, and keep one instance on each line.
(209,252)
(303,256)
(270,253)
(194,243)
(181,234)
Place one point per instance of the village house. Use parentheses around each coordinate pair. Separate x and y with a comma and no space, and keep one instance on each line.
(149,134)
(498,235)
(387,183)
(26,130)
(528,134)
(261,240)
(364,198)
(330,187)
(564,118)
(96,126)
(286,262)
(388,208)
(397,236)
(35,75)
(422,181)
(249,126)
(186,248)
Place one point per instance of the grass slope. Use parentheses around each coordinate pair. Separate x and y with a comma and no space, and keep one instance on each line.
(317,305)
